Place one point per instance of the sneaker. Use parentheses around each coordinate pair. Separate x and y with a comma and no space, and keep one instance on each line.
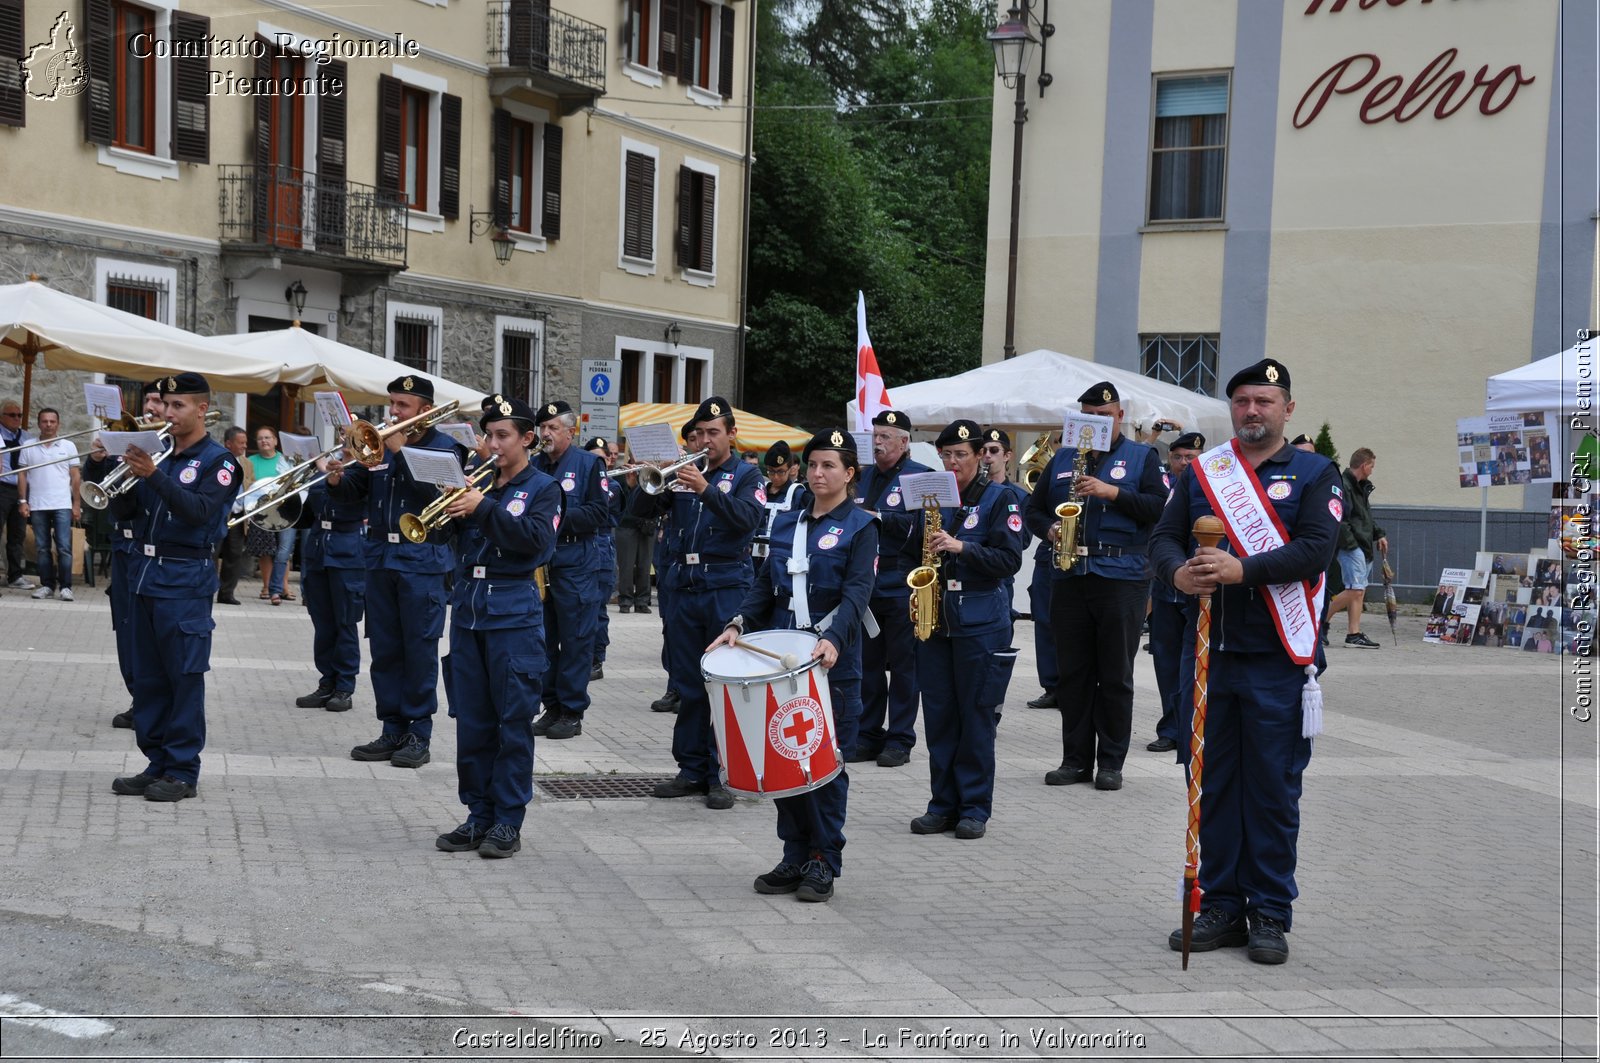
(817,885)
(546,720)
(21,583)
(678,787)
(501,841)
(123,720)
(570,725)
(66,595)
(1047,700)
(718,796)
(1359,640)
(932,823)
(1108,779)
(969,829)
(412,754)
(316,699)
(785,878)
(41,594)
(467,836)
(596,671)
(380,748)
(1267,943)
(132,785)
(339,701)
(1066,775)
(1214,928)
(894,758)
(667,702)
(167,788)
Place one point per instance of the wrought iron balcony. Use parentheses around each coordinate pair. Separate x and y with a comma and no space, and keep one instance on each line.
(549,52)
(289,213)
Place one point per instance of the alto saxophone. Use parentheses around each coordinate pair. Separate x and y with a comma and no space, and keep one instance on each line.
(924,579)
(1071,531)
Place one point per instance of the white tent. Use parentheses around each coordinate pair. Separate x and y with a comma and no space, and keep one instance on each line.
(1036,390)
(315,362)
(1548,384)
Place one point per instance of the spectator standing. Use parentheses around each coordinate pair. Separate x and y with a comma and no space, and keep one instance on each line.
(48,484)
(273,548)
(636,540)
(1359,537)
(13,433)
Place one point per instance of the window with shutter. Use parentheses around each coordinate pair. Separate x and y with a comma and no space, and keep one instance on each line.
(191,75)
(332,120)
(638,207)
(725,55)
(697,219)
(99,97)
(667,39)
(13,46)
(641,38)
(1189,150)
(390,91)
(550,211)
(500,182)
(521,157)
(450,156)
(133,79)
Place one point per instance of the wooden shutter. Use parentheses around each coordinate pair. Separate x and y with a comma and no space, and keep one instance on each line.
(688,30)
(667,37)
(705,251)
(627,31)
(264,184)
(450,156)
(639,209)
(683,246)
(725,55)
(13,47)
(550,211)
(100,97)
(332,118)
(390,104)
(500,182)
(191,80)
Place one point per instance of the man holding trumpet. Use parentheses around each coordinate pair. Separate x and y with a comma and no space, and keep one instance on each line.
(333,577)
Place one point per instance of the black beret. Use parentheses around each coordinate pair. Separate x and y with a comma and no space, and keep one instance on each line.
(1101,394)
(183,384)
(153,386)
(501,408)
(830,439)
(551,410)
(714,407)
(683,433)
(597,443)
(997,435)
(1188,441)
(412,384)
(1301,438)
(893,419)
(779,455)
(1268,371)
(962,431)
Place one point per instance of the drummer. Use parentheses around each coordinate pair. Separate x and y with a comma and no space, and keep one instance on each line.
(824,590)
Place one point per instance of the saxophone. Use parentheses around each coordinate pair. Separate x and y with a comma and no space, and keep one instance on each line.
(1068,540)
(924,579)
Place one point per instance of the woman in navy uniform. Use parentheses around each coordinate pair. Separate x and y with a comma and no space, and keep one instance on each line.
(964,668)
(496,666)
(405,582)
(839,560)
(333,575)
(182,505)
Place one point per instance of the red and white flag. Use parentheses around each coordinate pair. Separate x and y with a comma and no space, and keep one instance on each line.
(871,396)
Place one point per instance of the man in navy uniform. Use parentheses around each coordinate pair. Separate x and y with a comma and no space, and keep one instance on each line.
(995,454)
(183,503)
(606,540)
(572,597)
(714,515)
(406,595)
(1167,611)
(964,668)
(126,537)
(333,576)
(497,665)
(1097,607)
(1260,711)
(888,659)
(783,489)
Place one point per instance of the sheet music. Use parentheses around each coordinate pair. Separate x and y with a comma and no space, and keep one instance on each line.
(461,432)
(331,405)
(103,400)
(117,443)
(1099,425)
(298,448)
(654,442)
(917,486)
(863,446)
(438,467)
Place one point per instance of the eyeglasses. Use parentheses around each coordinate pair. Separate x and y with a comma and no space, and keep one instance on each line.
(11,413)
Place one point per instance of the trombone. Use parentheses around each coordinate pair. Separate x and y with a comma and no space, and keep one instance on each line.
(121,479)
(655,478)
(416,526)
(365,439)
(277,501)
(121,424)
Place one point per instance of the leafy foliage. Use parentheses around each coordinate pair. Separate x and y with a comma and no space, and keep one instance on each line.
(1324,443)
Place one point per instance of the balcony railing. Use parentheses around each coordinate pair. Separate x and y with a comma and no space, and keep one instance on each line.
(279,208)
(563,55)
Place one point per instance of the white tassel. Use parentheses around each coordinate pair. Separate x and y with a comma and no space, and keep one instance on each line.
(1311,705)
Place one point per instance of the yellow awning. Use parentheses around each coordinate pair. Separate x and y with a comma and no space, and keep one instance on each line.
(751,432)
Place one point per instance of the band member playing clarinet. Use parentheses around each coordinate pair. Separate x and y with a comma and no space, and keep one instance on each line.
(496,667)
(819,578)
(182,503)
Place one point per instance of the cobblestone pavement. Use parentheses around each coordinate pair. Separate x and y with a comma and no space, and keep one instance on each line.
(1447,877)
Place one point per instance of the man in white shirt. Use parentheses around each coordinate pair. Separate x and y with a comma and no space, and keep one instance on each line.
(13,433)
(49,488)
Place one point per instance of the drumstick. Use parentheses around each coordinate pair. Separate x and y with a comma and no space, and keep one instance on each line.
(788,660)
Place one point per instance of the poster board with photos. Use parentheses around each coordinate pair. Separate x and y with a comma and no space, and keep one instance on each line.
(1505,448)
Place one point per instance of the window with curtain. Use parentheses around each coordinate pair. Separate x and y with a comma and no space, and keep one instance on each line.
(1189,153)
(1189,361)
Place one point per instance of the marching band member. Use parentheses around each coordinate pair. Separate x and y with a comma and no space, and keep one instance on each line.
(333,576)
(606,540)
(714,514)
(964,668)
(405,582)
(995,453)
(824,589)
(1264,646)
(664,544)
(126,535)
(888,659)
(497,664)
(782,488)
(182,506)
(1097,607)
(1167,609)
(572,598)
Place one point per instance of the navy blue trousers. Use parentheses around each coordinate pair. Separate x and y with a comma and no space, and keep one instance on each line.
(813,822)
(405,620)
(963,682)
(336,599)
(121,621)
(608,587)
(170,643)
(1166,646)
(693,620)
(493,679)
(1044,636)
(1097,623)
(571,619)
(889,680)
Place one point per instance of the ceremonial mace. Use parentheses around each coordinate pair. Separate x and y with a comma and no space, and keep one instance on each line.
(1207,532)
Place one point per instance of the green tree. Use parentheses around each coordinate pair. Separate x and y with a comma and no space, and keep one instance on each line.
(1324,444)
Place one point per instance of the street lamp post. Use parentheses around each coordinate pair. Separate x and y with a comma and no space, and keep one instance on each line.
(1013,43)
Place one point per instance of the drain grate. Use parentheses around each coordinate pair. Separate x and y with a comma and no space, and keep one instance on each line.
(597,787)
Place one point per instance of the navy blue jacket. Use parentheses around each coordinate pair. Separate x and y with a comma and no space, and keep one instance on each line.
(990,528)
(1120,527)
(708,537)
(180,512)
(510,534)
(586,497)
(389,491)
(335,536)
(880,492)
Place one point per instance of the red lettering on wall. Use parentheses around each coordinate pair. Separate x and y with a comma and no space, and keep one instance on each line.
(1436,85)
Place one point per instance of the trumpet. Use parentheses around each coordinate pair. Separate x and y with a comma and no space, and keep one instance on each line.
(277,501)
(124,423)
(654,479)
(121,479)
(416,526)
(365,440)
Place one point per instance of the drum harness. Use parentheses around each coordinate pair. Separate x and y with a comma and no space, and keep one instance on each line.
(799,603)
